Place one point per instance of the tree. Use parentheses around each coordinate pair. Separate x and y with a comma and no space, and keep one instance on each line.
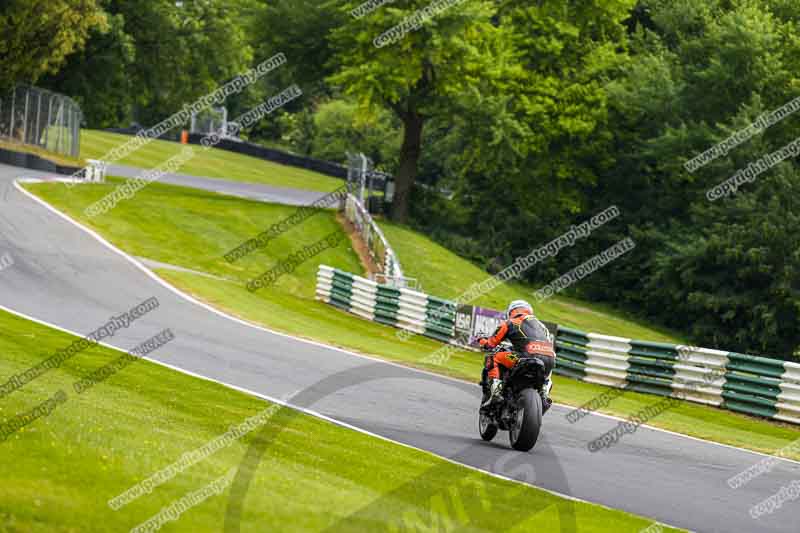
(457,54)
(153,57)
(99,77)
(706,70)
(37,35)
(183,50)
(531,151)
(338,129)
(734,282)
(301,30)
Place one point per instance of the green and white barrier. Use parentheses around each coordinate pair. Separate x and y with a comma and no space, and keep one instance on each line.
(743,383)
(402,308)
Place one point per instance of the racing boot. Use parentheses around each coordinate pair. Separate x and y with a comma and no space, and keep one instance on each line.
(546,401)
(496,389)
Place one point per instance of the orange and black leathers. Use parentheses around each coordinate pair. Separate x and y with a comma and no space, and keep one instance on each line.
(527,335)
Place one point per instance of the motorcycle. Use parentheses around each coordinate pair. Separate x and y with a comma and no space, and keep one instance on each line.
(522,405)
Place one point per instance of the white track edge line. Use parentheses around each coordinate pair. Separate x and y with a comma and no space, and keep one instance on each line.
(191,299)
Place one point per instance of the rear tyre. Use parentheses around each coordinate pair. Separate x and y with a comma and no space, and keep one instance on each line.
(485,426)
(525,430)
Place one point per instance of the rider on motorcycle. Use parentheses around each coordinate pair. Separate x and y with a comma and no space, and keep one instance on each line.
(528,336)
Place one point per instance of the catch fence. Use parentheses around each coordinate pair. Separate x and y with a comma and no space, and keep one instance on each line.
(37,117)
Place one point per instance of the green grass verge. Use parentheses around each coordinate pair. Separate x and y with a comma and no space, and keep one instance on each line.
(445,274)
(60,470)
(212,163)
(194,228)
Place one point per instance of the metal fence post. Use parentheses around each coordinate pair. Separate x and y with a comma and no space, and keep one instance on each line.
(70,126)
(76,137)
(363,176)
(351,171)
(63,147)
(47,125)
(38,138)
(59,119)
(56,116)
(25,118)
(64,119)
(71,130)
(13,101)
(69,121)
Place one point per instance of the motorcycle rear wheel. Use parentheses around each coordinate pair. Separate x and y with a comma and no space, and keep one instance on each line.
(525,430)
(485,426)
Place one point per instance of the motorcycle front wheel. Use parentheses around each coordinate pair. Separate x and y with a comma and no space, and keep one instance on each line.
(524,430)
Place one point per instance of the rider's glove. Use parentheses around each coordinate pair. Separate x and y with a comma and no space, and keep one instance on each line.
(483,341)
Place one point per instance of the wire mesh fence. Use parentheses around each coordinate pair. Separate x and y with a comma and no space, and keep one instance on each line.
(360,175)
(37,117)
(212,120)
(367,183)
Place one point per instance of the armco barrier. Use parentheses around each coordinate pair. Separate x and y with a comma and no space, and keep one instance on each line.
(34,162)
(277,156)
(743,383)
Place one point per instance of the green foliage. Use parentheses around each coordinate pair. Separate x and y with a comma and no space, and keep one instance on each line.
(527,154)
(98,77)
(153,57)
(334,127)
(339,128)
(735,279)
(300,29)
(37,35)
(724,272)
(457,54)
(184,50)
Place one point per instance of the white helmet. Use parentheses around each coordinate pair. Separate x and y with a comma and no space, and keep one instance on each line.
(518,304)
